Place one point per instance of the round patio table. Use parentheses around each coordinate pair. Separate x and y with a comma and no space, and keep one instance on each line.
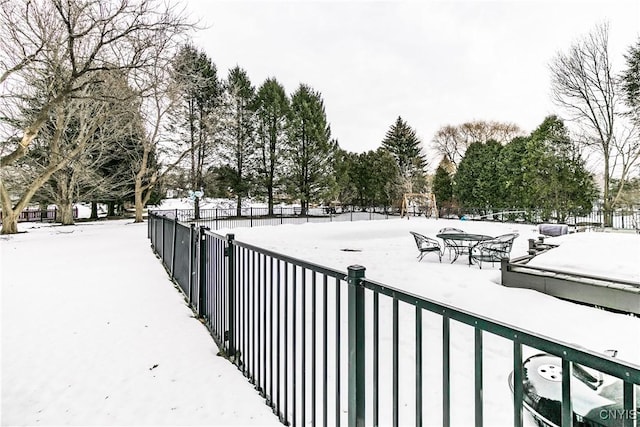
(461,243)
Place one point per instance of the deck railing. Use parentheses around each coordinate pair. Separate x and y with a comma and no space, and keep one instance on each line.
(323,346)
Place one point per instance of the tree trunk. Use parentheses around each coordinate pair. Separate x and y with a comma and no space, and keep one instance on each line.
(64,196)
(270,200)
(239,206)
(65,213)
(111,208)
(9,222)
(196,208)
(138,200)
(94,210)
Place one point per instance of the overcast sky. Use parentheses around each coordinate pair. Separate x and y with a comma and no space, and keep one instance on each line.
(433,63)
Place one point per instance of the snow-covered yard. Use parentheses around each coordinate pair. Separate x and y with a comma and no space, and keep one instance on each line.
(388,252)
(94,332)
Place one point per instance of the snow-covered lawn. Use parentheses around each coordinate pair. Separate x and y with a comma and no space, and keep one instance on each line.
(94,333)
(388,252)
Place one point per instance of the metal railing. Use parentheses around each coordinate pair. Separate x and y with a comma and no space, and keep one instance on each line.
(37,215)
(229,218)
(625,219)
(311,339)
(218,218)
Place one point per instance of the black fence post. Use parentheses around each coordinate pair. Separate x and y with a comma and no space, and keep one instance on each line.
(161,252)
(202,266)
(192,272)
(231,283)
(356,346)
(173,249)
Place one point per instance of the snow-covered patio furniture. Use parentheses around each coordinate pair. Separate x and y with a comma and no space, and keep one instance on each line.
(460,242)
(492,250)
(553,230)
(427,245)
(448,243)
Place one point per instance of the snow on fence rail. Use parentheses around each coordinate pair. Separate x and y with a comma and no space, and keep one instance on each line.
(331,347)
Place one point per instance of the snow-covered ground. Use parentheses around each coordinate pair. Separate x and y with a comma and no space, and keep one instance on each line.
(94,333)
(388,252)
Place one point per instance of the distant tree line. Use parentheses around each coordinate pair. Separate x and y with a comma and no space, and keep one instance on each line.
(543,172)
(109,102)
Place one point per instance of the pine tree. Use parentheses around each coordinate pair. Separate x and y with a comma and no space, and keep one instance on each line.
(404,145)
(476,183)
(194,118)
(310,150)
(514,191)
(237,150)
(443,182)
(271,106)
(631,82)
(555,173)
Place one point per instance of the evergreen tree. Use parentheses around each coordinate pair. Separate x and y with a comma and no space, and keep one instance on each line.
(309,151)
(194,118)
(442,186)
(555,173)
(476,181)
(403,144)
(344,162)
(238,149)
(631,82)
(387,185)
(514,192)
(271,107)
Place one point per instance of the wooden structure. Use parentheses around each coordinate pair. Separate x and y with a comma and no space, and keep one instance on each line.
(426,203)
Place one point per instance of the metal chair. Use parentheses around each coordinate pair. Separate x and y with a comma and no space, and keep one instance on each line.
(492,250)
(427,245)
(447,245)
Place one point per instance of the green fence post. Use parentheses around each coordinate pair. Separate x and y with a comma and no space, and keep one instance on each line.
(231,283)
(356,346)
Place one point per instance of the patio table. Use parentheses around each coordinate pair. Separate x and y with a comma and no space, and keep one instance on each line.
(461,243)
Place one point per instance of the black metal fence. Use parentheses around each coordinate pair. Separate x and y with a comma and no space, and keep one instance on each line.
(621,218)
(37,215)
(215,219)
(311,338)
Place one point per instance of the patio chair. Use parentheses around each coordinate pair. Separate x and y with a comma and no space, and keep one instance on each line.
(426,245)
(492,250)
(447,243)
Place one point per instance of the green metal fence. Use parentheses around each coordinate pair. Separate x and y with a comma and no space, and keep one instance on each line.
(309,337)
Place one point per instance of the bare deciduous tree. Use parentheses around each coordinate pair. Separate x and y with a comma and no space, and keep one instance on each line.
(453,141)
(105,125)
(71,43)
(585,86)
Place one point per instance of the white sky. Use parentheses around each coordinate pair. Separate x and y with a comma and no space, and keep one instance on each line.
(433,63)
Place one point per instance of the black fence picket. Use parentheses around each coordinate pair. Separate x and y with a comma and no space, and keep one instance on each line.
(301,333)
